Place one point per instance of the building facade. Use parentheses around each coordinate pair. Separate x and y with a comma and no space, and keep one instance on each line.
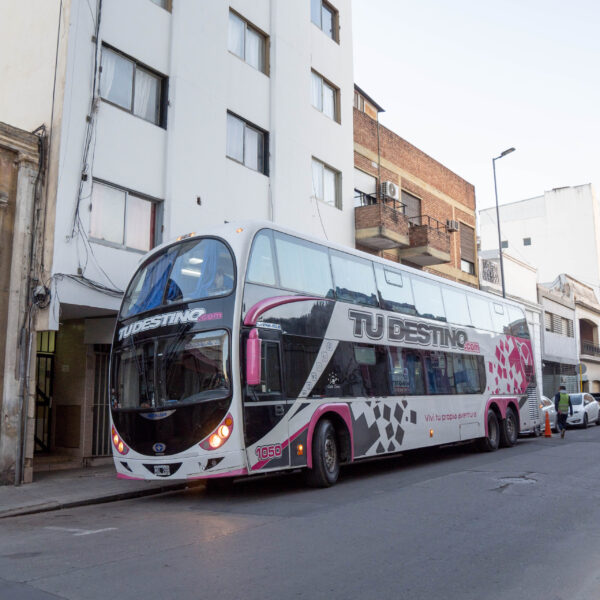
(585,374)
(22,174)
(165,117)
(409,207)
(558,232)
(560,349)
(520,285)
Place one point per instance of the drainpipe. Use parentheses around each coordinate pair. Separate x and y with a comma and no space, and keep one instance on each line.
(378,162)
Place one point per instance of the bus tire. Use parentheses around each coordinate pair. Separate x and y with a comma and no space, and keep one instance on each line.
(509,430)
(325,456)
(491,441)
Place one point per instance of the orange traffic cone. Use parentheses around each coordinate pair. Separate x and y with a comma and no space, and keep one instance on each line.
(547,431)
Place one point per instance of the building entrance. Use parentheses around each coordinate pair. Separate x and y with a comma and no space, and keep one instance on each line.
(46,348)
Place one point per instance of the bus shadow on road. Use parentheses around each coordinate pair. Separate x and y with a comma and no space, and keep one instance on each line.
(289,484)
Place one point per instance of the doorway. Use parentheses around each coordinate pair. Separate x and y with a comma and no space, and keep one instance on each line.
(46,349)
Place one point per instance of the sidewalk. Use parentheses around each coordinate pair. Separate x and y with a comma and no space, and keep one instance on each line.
(53,490)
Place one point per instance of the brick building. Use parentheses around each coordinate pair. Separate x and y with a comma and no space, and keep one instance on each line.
(409,207)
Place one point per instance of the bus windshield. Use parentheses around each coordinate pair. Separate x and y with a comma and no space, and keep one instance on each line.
(167,372)
(195,270)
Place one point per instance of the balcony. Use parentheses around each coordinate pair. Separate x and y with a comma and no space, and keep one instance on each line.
(429,242)
(590,348)
(380,225)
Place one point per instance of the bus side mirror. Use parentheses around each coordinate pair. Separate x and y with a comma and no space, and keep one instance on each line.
(253,358)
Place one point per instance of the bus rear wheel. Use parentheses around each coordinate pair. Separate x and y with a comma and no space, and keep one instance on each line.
(509,431)
(325,456)
(491,441)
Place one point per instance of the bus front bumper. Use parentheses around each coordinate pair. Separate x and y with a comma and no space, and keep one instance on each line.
(172,468)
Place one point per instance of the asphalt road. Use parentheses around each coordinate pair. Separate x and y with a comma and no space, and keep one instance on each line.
(450,524)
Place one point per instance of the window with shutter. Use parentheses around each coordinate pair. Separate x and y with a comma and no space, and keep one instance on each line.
(412,208)
(556,324)
(467,243)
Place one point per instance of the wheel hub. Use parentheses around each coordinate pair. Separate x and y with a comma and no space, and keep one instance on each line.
(330,454)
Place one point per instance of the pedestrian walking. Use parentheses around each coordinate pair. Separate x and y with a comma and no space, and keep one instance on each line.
(562,403)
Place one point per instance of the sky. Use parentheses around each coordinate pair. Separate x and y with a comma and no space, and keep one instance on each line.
(463,80)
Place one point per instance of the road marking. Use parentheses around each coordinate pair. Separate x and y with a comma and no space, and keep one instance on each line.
(75,531)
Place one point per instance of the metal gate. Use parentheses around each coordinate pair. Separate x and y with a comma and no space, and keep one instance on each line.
(101,426)
(46,347)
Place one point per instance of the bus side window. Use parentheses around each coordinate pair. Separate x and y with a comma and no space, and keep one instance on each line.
(455,303)
(261,267)
(270,369)
(500,318)
(395,291)
(518,323)
(469,374)
(440,372)
(373,366)
(480,313)
(300,354)
(406,372)
(428,299)
(354,279)
(303,266)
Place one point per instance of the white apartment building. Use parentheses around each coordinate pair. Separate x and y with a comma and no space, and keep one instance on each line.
(558,232)
(165,116)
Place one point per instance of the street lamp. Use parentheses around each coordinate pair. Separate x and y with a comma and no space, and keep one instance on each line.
(498,217)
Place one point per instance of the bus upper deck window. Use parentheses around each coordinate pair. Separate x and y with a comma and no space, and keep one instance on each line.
(261,267)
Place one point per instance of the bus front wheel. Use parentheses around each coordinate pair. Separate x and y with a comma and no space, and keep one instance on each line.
(325,456)
(509,432)
(491,441)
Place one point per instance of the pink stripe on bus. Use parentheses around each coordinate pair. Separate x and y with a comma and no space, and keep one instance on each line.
(122,476)
(261,463)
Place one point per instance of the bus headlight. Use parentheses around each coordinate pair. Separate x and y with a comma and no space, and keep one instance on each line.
(118,443)
(219,436)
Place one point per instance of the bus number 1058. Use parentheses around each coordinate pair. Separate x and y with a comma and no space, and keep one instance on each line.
(272,451)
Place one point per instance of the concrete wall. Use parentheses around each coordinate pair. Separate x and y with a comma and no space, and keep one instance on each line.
(29,30)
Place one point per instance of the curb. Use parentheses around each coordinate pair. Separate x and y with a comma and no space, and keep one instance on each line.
(56,505)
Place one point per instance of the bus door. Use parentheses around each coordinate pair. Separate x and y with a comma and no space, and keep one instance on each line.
(265,409)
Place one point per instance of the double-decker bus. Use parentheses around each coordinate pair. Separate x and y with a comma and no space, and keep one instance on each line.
(254,349)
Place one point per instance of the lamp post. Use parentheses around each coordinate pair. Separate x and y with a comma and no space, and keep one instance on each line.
(498,218)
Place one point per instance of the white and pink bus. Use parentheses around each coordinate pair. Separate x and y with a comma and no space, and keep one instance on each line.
(253,349)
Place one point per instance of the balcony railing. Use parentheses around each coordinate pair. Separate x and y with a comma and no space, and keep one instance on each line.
(429,241)
(589,348)
(380,224)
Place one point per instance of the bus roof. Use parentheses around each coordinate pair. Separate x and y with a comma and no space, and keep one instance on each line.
(228,232)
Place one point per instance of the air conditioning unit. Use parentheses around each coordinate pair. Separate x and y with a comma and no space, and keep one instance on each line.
(452,225)
(390,190)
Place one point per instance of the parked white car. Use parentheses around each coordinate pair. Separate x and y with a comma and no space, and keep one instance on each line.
(586,410)
(547,406)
